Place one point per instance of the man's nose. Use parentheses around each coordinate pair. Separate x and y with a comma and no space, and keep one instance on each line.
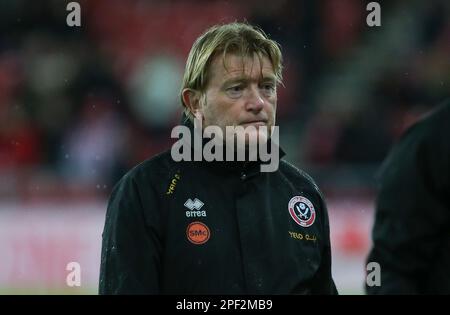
(255,101)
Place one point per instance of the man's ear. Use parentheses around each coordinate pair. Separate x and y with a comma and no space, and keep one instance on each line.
(191,99)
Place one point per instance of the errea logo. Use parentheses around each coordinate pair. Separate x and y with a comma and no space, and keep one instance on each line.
(194,204)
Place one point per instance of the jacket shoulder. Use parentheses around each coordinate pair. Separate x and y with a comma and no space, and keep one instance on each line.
(141,187)
(152,174)
(295,174)
(160,163)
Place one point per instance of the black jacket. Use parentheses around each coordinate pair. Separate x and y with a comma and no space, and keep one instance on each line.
(411,233)
(215,228)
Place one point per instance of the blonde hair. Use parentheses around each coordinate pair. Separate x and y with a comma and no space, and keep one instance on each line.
(241,38)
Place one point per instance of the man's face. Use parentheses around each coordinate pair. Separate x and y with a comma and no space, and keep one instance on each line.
(242,94)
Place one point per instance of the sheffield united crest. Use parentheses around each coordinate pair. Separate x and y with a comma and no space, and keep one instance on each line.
(302,211)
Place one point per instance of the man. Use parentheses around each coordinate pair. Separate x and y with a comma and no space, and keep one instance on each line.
(411,234)
(220,227)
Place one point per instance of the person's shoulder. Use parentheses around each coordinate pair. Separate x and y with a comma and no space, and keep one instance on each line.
(440,113)
(158,164)
(422,145)
(297,175)
(425,137)
(138,192)
(432,126)
(150,171)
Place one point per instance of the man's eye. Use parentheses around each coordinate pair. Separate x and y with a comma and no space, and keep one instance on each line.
(269,87)
(235,91)
(236,88)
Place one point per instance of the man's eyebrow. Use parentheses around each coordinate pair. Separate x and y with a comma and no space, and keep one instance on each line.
(243,79)
(239,79)
(269,77)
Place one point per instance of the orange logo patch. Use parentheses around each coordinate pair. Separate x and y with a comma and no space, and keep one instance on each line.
(197,233)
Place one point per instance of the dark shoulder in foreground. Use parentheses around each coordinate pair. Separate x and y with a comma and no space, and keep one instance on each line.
(425,140)
(435,125)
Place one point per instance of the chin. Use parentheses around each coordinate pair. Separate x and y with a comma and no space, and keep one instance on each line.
(257,137)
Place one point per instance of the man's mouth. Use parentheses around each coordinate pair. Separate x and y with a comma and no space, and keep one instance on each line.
(255,123)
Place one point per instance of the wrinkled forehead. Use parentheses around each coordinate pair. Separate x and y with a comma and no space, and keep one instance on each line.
(225,66)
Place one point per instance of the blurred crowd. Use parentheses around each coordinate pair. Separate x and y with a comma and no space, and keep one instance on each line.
(79,106)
